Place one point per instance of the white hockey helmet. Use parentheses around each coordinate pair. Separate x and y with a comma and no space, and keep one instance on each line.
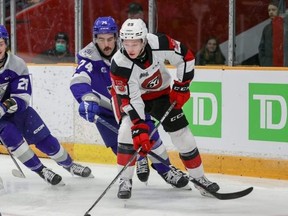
(133,29)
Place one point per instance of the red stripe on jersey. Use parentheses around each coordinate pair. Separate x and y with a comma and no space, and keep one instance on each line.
(122,159)
(124,102)
(171,42)
(147,63)
(116,105)
(192,163)
(156,94)
(189,56)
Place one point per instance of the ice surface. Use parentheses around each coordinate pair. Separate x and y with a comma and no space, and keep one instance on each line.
(33,197)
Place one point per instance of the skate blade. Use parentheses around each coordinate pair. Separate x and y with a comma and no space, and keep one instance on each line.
(90,176)
(186,187)
(17,173)
(1,184)
(125,203)
(204,192)
(60,184)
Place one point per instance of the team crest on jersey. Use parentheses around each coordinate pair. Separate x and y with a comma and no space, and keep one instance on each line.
(87,53)
(103,69)
(153,82)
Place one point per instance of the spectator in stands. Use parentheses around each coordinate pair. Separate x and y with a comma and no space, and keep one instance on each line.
(20,5)
(59,53)
(266,45)
(135,11)
(210,53)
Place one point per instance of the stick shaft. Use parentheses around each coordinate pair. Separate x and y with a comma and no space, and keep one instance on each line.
(133,157)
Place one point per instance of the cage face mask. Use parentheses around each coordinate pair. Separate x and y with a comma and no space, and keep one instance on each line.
(60,47)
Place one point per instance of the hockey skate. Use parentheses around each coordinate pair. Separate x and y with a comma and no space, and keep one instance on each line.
(50,177)
(142,169)
(210,186)
(125,189)
(176,179)
(79,170)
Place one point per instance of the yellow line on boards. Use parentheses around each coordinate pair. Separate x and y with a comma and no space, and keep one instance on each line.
(224,164)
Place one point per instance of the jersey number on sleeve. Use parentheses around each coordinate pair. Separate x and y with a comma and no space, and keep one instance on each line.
(88,66)
(23,84)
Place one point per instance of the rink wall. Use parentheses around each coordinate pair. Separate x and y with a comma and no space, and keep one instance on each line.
(238,116)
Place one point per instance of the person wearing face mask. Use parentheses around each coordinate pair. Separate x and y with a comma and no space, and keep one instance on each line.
(60,53)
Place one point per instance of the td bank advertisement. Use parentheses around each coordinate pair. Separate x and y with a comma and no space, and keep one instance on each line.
(240,111)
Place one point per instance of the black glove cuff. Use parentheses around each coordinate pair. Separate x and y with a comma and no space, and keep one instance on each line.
(183,87)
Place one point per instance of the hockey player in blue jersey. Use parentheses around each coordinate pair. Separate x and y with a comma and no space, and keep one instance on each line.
(89,86)
(20,125)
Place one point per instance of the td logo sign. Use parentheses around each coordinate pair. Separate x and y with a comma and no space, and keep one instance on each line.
(203,110)
(268,112)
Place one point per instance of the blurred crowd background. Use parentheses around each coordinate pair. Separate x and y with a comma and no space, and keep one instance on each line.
(235,26)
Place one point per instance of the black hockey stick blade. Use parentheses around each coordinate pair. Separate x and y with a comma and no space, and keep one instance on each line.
(232,195)
(220,196)
(224,196)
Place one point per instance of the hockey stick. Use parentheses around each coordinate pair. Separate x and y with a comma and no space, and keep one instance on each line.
(106,124)
(226,196)
(15,172)
(220,196)
(130,161)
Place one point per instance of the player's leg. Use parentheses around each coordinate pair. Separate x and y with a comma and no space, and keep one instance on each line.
(124,154)
(173,178)
(36,132)
(109,135)
(191,158)
(176,125)
(11,137)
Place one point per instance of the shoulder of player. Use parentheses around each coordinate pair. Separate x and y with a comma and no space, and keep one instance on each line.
(159,41)
(89,52)
(17,65)
(121,65)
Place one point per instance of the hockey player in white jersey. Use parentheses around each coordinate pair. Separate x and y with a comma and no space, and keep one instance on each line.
(89,86)
(141,84)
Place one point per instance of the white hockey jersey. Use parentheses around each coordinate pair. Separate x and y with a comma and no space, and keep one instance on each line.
(134,81)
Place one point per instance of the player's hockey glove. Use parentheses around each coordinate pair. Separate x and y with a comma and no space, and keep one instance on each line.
(180,93)
(141,138)
(8,106)
(89,107)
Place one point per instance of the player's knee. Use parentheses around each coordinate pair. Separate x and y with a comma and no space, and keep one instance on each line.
(10,135)
(49,145)
(124,134)
(183,140)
